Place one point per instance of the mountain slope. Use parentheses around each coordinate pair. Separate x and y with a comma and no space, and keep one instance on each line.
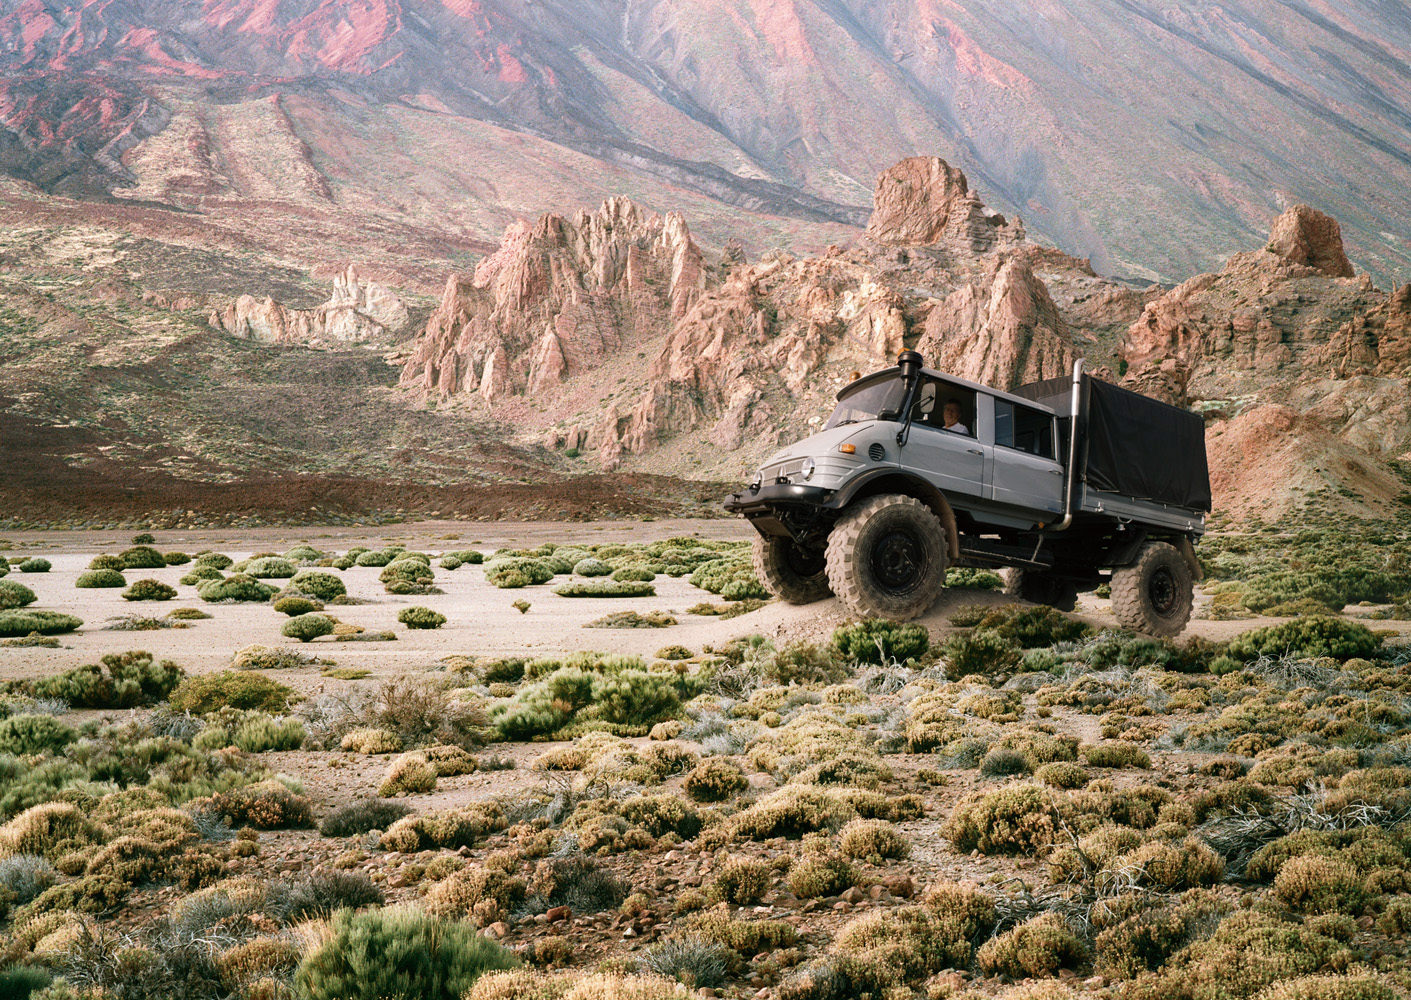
(1154,138)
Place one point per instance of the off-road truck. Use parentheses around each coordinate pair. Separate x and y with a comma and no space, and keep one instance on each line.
(1060,484)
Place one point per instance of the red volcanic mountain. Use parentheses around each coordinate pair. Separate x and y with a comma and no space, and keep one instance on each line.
(1155,138)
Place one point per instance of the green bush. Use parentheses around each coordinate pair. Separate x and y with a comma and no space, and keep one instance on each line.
(417,617)
(303,554)
(29,734)
(199,575)
(967,578)
(732,577)
(14,594)
(469,557)
(94,578)
(1115,753)
(1307,638)
(261,733)
(308,627)
(374,558)
(817,875)
(606,588)
(175,558)
(634,574)
(265,805)
(268,568)
(1015,819)
(395,954)
(142,557)
(149,590)
(27,622)
(635,697)
(715,781)
(106,562)
(118,681)
(983,651)
(236,587)
(324,586)
(592,567)
(517,571)
(213,560)
(877,640)
(297,604)
(35,564)
(1038,947)
(407,571)
(230,689)
(362,816)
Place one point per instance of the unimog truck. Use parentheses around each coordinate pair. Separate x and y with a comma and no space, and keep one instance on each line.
(1060,485)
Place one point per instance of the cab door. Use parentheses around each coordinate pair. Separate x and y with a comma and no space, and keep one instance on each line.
(1024,470)
(953,462)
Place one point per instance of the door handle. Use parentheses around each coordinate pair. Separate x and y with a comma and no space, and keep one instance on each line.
(974,451)
(1055,472)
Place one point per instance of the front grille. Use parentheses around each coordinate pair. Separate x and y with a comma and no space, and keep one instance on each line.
(789,469)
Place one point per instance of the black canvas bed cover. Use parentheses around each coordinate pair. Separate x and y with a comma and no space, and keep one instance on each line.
(1134,445)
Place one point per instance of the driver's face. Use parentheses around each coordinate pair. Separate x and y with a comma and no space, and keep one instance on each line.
(951,414)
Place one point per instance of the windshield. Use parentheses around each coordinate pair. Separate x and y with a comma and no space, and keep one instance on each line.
(877,401)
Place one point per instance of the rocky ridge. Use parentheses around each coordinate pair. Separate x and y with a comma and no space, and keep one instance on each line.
(359,311)
(716,363)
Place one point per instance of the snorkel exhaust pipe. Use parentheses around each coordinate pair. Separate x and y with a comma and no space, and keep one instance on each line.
(910,363)
(1070,483)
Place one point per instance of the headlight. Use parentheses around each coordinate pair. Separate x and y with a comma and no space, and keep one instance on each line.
(757,481)
(808,467)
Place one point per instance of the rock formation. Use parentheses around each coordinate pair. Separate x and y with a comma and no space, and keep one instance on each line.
(557,299)
(1306,236)
(924,201)
(359,311)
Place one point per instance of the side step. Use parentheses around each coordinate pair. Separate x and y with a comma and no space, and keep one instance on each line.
(990,552)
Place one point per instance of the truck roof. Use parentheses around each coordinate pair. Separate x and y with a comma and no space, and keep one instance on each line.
(895,371)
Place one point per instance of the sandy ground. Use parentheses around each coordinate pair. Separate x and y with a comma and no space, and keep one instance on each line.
(481,619)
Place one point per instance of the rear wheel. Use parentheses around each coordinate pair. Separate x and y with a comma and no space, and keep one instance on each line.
(1040,588)
(790,571)
(1155,594)
(887,557)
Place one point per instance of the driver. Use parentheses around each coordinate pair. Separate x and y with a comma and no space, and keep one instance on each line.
(950,418)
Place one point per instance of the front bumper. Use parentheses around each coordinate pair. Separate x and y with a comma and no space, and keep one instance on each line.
(753,503)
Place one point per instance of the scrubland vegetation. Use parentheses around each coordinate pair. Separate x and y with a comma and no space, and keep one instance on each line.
(1025,807)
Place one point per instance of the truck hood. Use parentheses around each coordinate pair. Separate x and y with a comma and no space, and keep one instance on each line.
(821,444)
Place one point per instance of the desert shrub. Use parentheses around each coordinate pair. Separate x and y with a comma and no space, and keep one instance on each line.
(259,657)
(48,829)
(969,578)
(635,697)
(605,588)
(362,816)
(1331,986)
(324,586)
(371,740)
(319,894)
(407,571)
(1038,947)
(376,558)
(261,733)
(1307,638)
(25,876)
(149,590)
(715,781)
(417,617)
(395,954)
(119,680)
(304,553)
(743,881)
(1187,865)
(410,773)
(515,571)
(1002,762)
(175,558)
(902,945)
(1062,774)
(32,734)
(1143,941)
(35,564)
(591,567)
(877,640)
(96,578)
(732,577)
(230,689)
(1016,819)
(266,805)
(1313,884)
(485,893)
(236,587)
(214,560)
(1115,753)
(576,881)
(308,627)
(634,574)
(297,604)
(696,963)
(268,568)
(817,875)
(106,562)
(983,651)
(142,557)
(748,937)
(14,594)
(29,622)
(200,575)
(872,840)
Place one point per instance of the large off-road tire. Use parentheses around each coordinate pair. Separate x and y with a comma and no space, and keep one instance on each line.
(1154,595)
(789,571)
(1039,587)
(887,557)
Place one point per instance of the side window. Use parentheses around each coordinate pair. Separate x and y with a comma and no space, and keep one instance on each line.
(949,408)
(1024,429)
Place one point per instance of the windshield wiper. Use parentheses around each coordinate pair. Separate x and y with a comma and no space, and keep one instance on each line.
(844,423)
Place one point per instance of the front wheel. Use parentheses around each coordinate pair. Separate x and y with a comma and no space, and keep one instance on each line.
(887,558)
(1155,594)
(790,571)
(1039,587)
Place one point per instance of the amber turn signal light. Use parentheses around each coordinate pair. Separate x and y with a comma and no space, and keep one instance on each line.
(848,449)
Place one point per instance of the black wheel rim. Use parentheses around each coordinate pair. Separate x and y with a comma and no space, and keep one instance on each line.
(804,562)
(1161,588)
(898,561)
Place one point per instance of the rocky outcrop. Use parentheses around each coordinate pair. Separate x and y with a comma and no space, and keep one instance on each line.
(1306,236)
(923,201)
(555,300)
(359,311)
